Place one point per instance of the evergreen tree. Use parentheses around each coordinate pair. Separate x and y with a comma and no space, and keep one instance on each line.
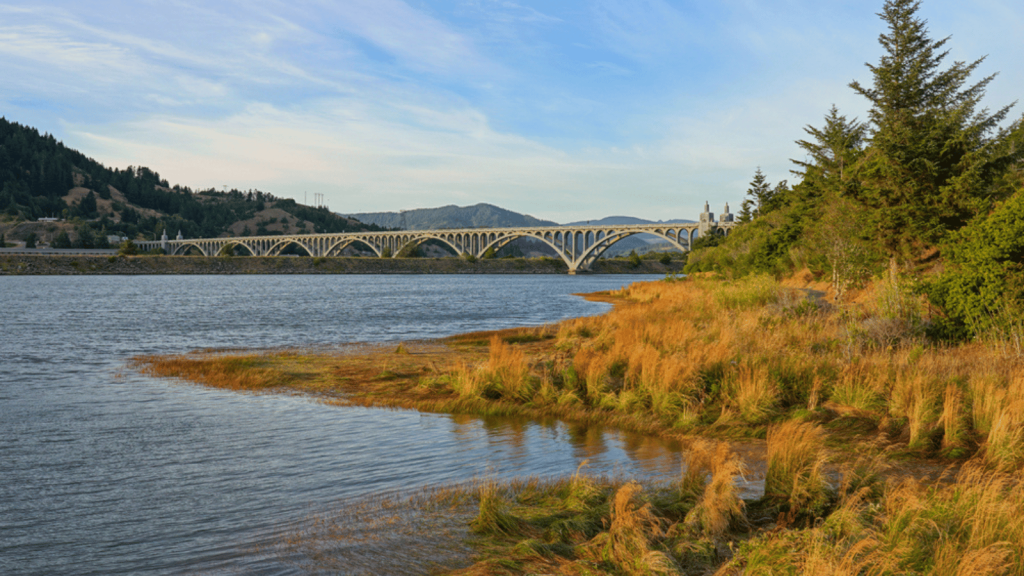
(87,205)
(832,153)
(761,198)
(933,157)
(62,240)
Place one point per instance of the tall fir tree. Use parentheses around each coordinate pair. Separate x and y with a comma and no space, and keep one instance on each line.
(832,153)
(760,197)
(933,156)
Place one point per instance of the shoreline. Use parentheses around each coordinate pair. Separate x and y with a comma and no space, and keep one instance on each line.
(714,364)
(73,265)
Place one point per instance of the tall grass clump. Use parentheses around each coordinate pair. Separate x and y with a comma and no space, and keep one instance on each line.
(753,392)
(494,516)
(795,482)
(717,502)
(631,540)
(508,369)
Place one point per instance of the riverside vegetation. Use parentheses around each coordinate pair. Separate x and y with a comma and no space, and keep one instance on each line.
(862,322)
(840,394)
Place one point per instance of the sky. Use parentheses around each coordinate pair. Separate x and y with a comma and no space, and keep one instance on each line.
(567,111)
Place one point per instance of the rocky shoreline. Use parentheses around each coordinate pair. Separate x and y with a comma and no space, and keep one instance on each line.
(60,265)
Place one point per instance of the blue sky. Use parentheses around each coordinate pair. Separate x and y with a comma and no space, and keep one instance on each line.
(564,110)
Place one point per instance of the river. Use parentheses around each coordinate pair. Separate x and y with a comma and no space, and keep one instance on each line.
(106,471)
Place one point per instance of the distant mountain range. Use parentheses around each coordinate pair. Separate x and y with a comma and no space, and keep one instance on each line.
(487,215)
(480,215)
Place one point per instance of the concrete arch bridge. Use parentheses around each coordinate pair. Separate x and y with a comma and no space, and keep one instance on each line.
(578,246)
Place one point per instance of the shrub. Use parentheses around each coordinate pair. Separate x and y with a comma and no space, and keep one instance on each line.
(985,269)
(128,248)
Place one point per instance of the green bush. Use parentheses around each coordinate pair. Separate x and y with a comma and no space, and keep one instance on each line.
(984,274)
(128,248)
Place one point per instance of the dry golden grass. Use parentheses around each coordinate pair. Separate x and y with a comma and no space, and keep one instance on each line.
(718,506)
(702,355)
(795,480)
(743,358)
(628,543)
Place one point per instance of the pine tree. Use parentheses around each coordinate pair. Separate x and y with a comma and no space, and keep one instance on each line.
(933,157)
(62,240)
(760,197)
(834,151)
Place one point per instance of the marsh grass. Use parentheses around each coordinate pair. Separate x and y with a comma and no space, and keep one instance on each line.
(359,536)
(970,526)
(718,507)
(795,482)
(727,358)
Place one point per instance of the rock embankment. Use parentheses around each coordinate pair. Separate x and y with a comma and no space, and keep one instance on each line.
(29,264)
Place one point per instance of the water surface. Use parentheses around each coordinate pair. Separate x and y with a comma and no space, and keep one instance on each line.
(105,471)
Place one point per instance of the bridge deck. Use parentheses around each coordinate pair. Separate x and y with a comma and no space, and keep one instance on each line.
(578,246)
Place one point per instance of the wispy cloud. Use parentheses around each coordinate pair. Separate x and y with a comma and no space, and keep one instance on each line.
(564,110)
(643,29)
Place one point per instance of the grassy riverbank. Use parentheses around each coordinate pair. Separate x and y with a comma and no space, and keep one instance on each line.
(28,264)
(850,400)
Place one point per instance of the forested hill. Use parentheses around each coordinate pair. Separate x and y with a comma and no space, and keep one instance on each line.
(40,177)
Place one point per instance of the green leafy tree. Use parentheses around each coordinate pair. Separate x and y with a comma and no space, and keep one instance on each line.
(841,236)
(30,240)
(933,155)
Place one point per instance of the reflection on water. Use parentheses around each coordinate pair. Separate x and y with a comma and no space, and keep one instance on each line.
(607,450)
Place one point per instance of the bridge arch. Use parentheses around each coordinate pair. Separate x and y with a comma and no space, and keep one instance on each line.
(418,239)
(346,242)
(591,254)
(235,244)
(506,239)
(275,249)
(183,249)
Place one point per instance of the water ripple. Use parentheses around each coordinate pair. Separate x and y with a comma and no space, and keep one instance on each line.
(110,473)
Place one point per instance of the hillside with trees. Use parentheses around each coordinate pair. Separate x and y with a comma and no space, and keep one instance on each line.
(40,177)
(930,185)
